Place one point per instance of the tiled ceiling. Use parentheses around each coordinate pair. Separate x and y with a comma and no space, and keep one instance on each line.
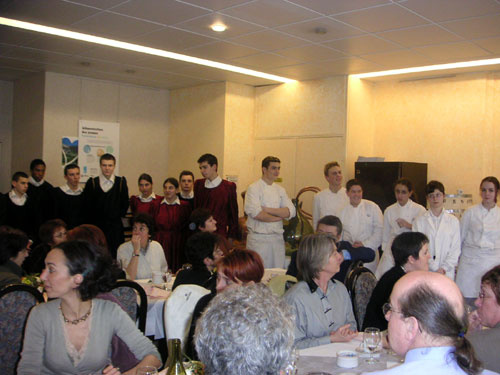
(299,39)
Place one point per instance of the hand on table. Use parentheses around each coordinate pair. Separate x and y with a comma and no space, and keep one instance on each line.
(110,370)
(343,334)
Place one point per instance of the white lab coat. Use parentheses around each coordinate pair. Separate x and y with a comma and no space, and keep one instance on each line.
(409,212)
(363,223)
(480,230)
(444,241)
(327,202)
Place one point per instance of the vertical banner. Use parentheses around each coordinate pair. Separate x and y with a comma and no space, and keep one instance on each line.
(95,139)
(69,150)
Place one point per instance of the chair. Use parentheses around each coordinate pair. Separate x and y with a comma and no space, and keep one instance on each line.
(16,302)
(279,284)
(360,283)
(179,311)
(126,291)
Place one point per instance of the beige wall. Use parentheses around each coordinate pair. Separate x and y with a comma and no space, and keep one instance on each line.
(27,129)
(6,100)
(449,123)
(142,113)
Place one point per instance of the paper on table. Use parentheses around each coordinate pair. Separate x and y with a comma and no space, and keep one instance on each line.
(329,350)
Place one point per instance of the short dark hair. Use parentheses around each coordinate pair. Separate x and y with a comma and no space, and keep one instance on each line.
(147,220)
(353,182)
(436,316)
(332,221)
(171,180)
(330,165)
(313,254)
(47,229)
(209,158)
(145,177)
(35,162)
(199,216)
(70,166)
(97,268)
(16,176)
(406,244)
(492,278)
(89,233)
(405,182)
(434,185)
(186,173)
(107,156)
(200,246)
(12,242)
(268,160)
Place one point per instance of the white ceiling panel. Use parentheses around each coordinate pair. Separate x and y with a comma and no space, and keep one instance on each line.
(311,52)
(16,36)
(454,51)
(216,4)
(268,40)
(100,4)
(420,36)
(169,38)
(328,7)
(57,44)
(362,45)
(490,44)
(477,27)
(320,30)
(398,59)
(221,51)
(265,60)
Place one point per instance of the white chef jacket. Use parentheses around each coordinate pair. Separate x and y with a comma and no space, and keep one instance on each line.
(363,223)
(480,230)
(444,240)
(409,212)
(326,202)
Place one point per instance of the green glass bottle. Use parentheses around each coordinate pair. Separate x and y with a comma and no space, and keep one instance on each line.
(174,363)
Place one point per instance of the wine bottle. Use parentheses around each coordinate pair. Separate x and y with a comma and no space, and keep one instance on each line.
(174,363)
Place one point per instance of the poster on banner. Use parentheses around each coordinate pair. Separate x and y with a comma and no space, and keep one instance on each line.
(69,147)
(95,139)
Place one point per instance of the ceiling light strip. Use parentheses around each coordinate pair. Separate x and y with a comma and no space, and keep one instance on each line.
(429,68)
(138,48)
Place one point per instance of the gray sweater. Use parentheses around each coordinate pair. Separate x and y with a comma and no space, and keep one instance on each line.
(44,348)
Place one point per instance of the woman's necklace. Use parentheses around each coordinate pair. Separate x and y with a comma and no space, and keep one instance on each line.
(79,320)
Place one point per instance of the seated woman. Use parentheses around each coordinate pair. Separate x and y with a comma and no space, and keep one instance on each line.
(239,267)
(141,256)
(72,333)
(51,233)
(323,310)
(485,341)
(202,220)
(13,251)
(200,250)
(410,251)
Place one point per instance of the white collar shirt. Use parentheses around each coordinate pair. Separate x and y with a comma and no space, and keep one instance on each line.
(190,195)
(214,183)
(177,201)
(34,182)
(66,189)
(147,199)
(16,199)
(106,184)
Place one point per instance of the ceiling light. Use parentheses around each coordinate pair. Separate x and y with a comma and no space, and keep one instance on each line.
(84,63)
(218,27)
(428,68)
(138,48)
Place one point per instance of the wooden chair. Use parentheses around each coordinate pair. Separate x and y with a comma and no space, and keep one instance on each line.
(126,291)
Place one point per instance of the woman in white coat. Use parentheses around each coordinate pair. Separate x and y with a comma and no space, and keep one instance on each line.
(480,228)
(443,231)
(398,218)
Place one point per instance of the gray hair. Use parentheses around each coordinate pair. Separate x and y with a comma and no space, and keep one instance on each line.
(246,331)
(312,256)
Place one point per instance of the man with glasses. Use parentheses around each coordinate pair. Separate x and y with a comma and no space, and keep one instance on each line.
(427,323)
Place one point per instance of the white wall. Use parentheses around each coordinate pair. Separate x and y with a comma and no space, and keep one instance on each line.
(6,100)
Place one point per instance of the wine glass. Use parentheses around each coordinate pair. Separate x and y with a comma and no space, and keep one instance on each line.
(371,339)
(147,370)
(291,365)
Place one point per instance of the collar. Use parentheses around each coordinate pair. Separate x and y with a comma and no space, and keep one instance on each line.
(313,286)
(65,188)
(177,201)
(434,216)
(103,179)
(214,183)
(188,196)
(17,200)
(148,199)
(432,353)
(34,182)
(265,183)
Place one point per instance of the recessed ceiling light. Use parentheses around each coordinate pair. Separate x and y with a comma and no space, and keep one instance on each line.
(138,48)
(218,27)
(130,71)
(84,63)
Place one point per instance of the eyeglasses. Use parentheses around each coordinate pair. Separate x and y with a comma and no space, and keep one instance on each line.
(483,295)
(388,307)
(60,234)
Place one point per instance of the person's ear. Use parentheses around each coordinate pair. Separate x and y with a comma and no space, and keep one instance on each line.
(78,279)
(412,328)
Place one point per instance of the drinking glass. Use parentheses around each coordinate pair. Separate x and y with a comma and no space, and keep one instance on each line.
(371,339)
(291,365)
(147,370)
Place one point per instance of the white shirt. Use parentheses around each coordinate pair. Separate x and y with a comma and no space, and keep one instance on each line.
(106,184)
(363,223)
(443,232)
(326,202)
(214,183)
(177,201)
(260,194)
(66,189)
(191,194)
(16,199)
(34,182)
(147,199)
(409,212)
(151,260)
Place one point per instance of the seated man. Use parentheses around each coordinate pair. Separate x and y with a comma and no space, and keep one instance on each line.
(411,253)
(427,322)
(332,224)
(243,347)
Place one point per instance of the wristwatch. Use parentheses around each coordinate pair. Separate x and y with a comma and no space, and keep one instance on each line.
(135,255)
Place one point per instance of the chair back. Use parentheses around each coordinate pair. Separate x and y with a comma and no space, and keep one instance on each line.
(360,283)
(281,283)
(16,302)
(179,310)
(133,299)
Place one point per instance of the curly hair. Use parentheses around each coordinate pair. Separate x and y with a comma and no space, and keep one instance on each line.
(97,268)
(245,331)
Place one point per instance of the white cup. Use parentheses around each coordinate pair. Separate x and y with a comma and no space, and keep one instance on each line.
(347,359)
(157,277)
